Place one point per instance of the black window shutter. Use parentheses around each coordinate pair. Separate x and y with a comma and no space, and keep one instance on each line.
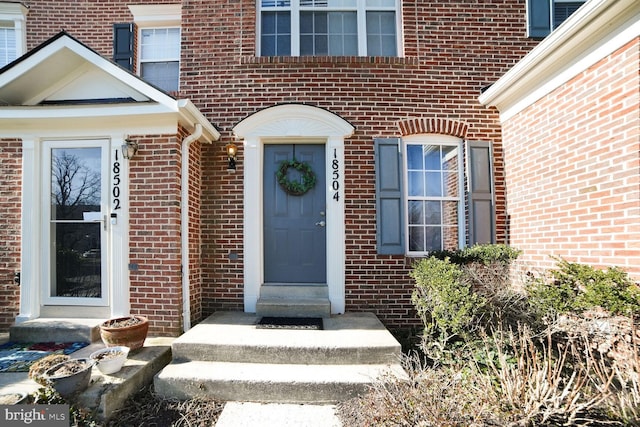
(561,11)
(389,198)
(123,45)
(482,227)
(539,13)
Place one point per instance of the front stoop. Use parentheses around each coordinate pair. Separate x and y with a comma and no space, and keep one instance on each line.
(56,330)
(226,357)
(106,393)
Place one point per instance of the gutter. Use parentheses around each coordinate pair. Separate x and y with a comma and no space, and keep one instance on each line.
(184,226)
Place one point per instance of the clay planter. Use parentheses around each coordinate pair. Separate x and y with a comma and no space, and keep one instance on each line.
(129,331)
(70,376)
(110,360)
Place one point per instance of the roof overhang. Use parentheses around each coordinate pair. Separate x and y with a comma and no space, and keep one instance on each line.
(596,30)
(63,82)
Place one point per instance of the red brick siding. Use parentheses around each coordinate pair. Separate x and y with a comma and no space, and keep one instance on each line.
(156,285)
(573,169)
(11,208)
(452,49)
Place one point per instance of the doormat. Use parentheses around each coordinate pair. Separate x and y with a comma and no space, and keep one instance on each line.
(19,356)
(314,323)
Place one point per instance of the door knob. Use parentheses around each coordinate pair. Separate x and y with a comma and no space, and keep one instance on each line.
(321,223)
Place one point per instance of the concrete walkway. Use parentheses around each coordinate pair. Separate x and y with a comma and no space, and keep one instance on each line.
(239,414)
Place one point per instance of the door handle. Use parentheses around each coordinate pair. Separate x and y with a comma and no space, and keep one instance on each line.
(321,223)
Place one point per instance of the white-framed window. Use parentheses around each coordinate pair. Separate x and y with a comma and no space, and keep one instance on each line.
(328,28)
(12,32)
(543,16)
(159,41)
(434,193)
(160,57)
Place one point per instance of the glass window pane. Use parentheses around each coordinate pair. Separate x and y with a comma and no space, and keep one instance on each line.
(434,184)
(75,183)
(163,75)
(160,44)
(416,239)
(381,34)
(275,39)
(433,213)
(414,156)
(321,44)
(433,239)
(320,22)
(416,184)
(76,260)
(432,157)
(416,212)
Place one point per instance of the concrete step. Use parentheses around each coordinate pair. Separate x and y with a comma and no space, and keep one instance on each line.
(293,307)
(294,300)
(56,330)
(290,290)
(228,358)
(259,382)
(353,338)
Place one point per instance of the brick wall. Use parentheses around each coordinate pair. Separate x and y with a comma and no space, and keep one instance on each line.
(573,169)
(451,50)
(10,206)
(156,285)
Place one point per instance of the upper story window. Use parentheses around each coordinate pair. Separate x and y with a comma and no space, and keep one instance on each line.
(328,27)
(158,41)
(12,31)
(543,16)
(160,57)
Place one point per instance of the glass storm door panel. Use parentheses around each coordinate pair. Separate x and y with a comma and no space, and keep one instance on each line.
(76,226)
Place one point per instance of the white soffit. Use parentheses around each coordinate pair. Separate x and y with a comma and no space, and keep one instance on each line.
(594,31)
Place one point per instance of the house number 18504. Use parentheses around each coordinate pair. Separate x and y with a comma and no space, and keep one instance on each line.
(335,175)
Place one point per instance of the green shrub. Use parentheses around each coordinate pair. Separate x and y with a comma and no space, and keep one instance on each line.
(483,254)
(577,287)
(444,301)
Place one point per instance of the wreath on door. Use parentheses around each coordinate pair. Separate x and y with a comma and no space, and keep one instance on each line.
(295,187)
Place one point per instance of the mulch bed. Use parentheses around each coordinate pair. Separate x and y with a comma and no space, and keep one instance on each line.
(18,357)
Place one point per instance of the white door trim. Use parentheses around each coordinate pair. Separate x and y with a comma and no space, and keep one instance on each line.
(33,275)
(300,123)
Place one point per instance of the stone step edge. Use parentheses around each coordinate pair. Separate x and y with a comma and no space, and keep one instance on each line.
(286,354)
(270,382)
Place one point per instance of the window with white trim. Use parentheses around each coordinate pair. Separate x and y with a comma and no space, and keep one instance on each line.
(328,27)
(12,32)
(158,40)
(160,57)
(435,210)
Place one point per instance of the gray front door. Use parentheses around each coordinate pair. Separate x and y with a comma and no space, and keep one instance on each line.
(294,225)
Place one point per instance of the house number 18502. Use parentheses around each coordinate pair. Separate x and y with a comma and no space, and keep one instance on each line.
(115,191)
(335,175)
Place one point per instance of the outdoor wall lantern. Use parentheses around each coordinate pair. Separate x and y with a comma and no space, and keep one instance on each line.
(231,154)
(129,149)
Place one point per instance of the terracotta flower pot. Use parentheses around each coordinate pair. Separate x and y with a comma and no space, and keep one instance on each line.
(129,331)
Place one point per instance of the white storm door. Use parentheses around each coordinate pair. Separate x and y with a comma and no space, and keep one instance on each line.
(75,230)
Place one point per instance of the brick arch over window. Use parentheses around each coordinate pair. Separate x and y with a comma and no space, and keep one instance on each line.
(439,126)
